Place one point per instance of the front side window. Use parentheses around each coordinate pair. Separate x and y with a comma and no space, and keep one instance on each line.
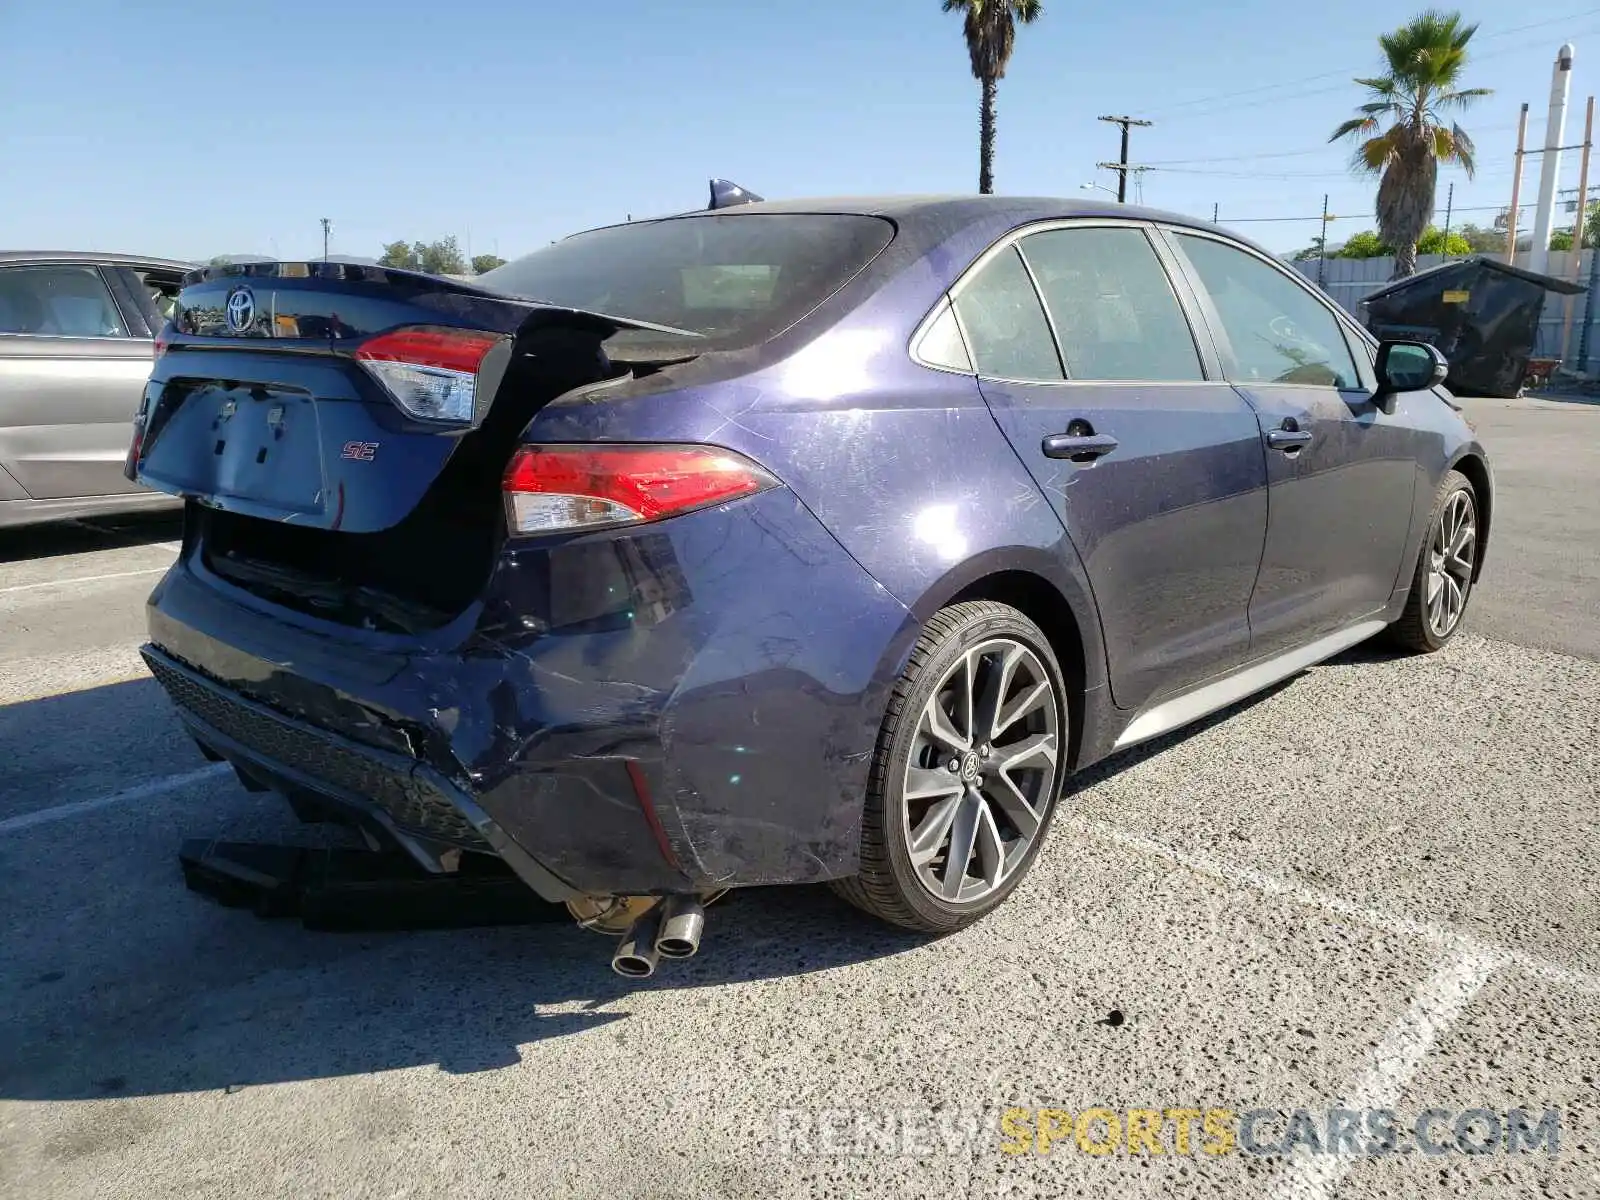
(1279,331)
(57,301)
(1115,313)
(1006,328)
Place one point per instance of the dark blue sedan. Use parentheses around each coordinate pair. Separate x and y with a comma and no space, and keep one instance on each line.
(779,542)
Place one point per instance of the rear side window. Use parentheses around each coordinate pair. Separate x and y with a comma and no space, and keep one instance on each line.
(59,301)
(736,279)
(1279,332)
(1005,326)
(1115,314)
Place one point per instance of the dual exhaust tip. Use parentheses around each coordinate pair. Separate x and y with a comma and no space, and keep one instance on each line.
(670,929)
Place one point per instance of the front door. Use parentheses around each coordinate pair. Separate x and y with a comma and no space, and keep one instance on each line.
(71,375)
(1089,364)
(1342,473)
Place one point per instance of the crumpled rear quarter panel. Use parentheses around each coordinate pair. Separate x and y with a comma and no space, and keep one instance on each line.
(734,654)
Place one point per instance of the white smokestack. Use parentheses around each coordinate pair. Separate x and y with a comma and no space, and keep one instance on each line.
(1555,130)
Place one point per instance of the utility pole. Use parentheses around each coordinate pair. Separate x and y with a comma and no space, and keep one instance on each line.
(1121,166)
(1577,229)
(1516,188)
(1588,310)
(326,225)
(1215,209)
(1449,201)
(1322,242)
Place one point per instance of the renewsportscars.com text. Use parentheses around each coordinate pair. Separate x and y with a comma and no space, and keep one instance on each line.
(1181,1131)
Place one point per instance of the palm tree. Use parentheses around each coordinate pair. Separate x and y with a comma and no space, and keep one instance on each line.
(1426,57)
(990,27)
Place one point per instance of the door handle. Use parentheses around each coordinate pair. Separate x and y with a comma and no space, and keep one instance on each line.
(1078,447)
(1289,437)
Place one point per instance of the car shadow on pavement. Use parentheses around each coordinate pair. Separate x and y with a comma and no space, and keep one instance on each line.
(1374,650)
(343,1004)
(1125,760)
(121,735)
(116,980)
(57,538)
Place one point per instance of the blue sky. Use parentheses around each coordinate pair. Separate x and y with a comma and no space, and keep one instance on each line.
(150,128)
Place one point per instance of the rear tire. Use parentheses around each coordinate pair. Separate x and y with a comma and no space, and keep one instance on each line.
(969,765)
(1442,583)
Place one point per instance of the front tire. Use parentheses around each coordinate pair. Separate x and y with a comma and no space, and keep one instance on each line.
(1442,583)
(968,768)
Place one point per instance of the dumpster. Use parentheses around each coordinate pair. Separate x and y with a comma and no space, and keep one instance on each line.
(1482,314)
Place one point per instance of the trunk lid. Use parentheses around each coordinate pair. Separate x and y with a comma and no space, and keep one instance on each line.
(284,404)
(260,404)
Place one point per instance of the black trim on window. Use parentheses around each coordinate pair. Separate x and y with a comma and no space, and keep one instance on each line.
(123,294)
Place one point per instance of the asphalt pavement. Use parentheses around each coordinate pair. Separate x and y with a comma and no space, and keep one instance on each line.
(1371,889)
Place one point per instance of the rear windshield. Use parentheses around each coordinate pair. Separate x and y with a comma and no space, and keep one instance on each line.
(736,279)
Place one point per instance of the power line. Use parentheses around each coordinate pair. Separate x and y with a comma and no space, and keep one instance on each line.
(1318,216)
(1352,175)
(1588,12)
(1226,174)
(1276,87)
(1167,162)
(1281,96)
(1212,109)
(1325,148)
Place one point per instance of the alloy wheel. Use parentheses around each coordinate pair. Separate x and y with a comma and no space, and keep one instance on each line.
(982,770)
(1450,558)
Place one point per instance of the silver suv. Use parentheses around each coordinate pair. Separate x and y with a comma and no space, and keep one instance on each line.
(77,336)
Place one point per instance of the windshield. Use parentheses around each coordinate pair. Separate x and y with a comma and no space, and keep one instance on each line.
(735,279)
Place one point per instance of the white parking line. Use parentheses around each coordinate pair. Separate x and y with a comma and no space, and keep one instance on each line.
(1441,998)
(143,791)
(1273,885)
(49,583)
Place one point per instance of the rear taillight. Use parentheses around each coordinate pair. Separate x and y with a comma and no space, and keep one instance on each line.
(557,489)
(431,373)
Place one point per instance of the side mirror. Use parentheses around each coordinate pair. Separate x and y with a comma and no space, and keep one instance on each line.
(1409,367)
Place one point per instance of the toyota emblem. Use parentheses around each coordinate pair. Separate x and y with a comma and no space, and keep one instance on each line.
(241,310)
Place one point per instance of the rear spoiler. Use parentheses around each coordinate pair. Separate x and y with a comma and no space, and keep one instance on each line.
(371,273)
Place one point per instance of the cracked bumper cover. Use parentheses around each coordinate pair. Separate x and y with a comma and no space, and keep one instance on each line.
(683,706)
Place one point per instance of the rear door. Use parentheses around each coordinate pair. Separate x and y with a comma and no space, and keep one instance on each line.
(1091,366)
(71,375)
(1342,473)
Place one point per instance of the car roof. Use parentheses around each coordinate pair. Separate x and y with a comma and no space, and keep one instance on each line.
(958,207)
(14,258)
(930,213)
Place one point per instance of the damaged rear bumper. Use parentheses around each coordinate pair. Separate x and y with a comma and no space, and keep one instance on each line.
(409,802)
(688,706)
